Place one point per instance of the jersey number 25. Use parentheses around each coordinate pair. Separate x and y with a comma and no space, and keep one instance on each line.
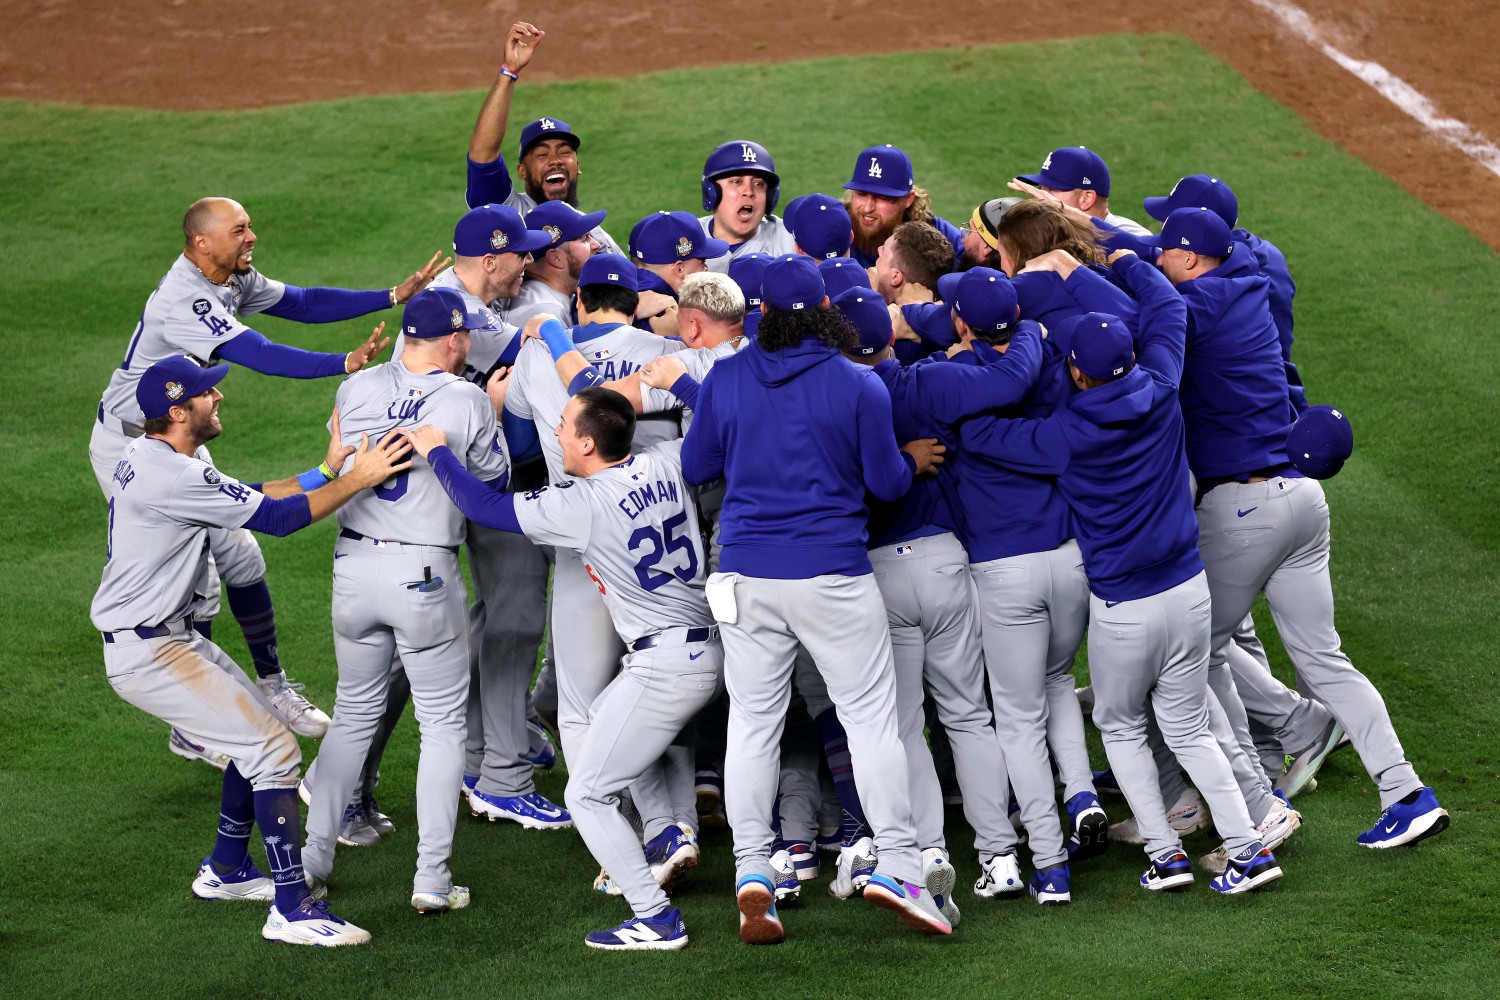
(645,570)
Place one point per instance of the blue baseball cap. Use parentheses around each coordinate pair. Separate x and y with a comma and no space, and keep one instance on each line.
(1200,230)
(562,222)
(1071,168)
(748,270)
(1320,442)
(1102,345)
(882,170)
(792,282)
(1197,190)
(173,381)
(821,226)
(666,238)
(866,312)
(608,269)
(547,128)
(437,312)
(842,273)
(494,229)
(982,297)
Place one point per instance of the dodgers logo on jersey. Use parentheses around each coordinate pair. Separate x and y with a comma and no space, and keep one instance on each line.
(498,240)
(201,307)
(747,152)
(875,170)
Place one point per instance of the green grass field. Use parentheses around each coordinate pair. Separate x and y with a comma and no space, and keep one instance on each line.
(101,828)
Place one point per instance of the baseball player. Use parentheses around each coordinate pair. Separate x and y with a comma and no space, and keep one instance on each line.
(1116,448)
(882,195)
(981,242)
(634,521)
(1237,408)
(907,268)
(794,570)
(667,247)
(820,226)
(164,498)
(398,589)
(196,310)
(740,190)
(547,161)
(1077,176)
(552,277)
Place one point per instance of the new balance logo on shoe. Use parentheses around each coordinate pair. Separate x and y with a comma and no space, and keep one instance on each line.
(639,934)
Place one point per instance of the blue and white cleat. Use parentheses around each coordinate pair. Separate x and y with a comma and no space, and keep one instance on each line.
(456,898)
(1406,824)
(311,923)
(917,908)
(470,782)
(805,861)
(830,840)
(356,831)
(1088,834)
(530,810)
(788,886)
(759,921)
(855,867)
(178,743)
(672,855)
(1051,887)
(662,932)
(245,882)
(1170,871)
(540,752)
(1252,869)
(941,878)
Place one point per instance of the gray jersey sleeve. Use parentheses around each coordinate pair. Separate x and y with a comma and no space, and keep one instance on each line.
(258,292)
(556,515)
(205,497)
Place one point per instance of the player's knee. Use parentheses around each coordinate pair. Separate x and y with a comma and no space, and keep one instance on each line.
(279,764)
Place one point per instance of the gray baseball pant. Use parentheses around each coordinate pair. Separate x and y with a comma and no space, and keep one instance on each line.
(1279,545)
(840,620)
(384,605)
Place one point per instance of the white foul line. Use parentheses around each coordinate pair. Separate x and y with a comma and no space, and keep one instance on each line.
(1392,88)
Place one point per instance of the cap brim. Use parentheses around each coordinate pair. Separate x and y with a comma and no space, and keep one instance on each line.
(880,189)
(530,243)
(212,377)
(1039,180)
(577,142)
(1158,208)
(709,249)
(947,288)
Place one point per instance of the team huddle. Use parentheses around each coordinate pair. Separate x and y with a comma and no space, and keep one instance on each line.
(774,497)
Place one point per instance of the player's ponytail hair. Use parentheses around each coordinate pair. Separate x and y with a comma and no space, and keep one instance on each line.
(1032,228)
(783,328)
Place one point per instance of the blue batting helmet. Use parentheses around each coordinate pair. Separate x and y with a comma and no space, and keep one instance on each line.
(739,157)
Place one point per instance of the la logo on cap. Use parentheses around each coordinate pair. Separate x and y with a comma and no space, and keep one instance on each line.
(875,170)
(747,152)
(498,240)
(684,247)
(548,124)
(1047,163)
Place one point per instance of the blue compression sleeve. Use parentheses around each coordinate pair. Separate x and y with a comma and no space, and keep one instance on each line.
(479,503)
(282,516)
(521,438)
(255,352)
(328,305)
(586,379)
(686,389)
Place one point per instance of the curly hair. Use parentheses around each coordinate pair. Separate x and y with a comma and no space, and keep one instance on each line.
(783,328)
(1032,228)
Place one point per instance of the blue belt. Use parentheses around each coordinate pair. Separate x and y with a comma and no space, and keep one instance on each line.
(693,635)
(145,632)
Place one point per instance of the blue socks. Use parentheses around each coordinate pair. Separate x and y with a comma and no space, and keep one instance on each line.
(251,607)
(236,816)
(836,749)
(281,829)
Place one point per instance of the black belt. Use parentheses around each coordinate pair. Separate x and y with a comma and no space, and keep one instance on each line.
(145,632)
(1204,485)
(693,635)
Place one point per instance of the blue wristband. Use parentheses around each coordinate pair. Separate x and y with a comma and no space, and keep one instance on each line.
(555,336)
(311,480)
(586,379)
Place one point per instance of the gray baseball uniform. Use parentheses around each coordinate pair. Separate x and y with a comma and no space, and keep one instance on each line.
(771,238)
(537,297)
(398,589)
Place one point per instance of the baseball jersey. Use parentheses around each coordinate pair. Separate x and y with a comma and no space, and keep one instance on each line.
(771,238)
(187,314)
(637,528)
(1128,225)
(537,297)
(698,362)
(411,507)
(490,184)
(494,345)
(161,505)
(537,394)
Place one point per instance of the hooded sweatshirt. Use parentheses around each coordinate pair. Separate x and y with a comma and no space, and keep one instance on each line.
(799,436)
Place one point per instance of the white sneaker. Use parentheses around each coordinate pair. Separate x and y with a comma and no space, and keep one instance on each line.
(856,865)
(178,743)
(1187,815)
(300,715)
(1280,823)
(456,898)
(245,882)
(311,923)
(1000,876)
(940,878)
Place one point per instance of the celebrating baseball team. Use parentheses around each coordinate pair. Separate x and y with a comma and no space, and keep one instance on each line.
(819,508)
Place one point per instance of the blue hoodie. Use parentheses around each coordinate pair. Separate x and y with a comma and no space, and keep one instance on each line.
(1117,451)
(1047,298)
(799,435)
(1234,388)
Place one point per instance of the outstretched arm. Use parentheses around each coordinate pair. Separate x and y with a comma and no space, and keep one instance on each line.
(252,350)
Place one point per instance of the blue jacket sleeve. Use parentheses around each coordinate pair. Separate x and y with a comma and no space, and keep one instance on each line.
(521,439)
(952,392)
(703,447)
(488,183)
(1118,239)
(480,503)
(1038,447)
(1161,334)
(887,469)
(281,517)
(327,305)
(255,352)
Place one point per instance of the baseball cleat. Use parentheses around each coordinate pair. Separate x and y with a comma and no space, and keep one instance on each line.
(1051,887)
(999,876)
(1250,870)
(603,883)
(1303,765)
(788,886)
(941,878)
(662,932)
(356,832)
(856,865)
(1105,783)
(759,922)
(1405,823)
(178,743)
(1280,823)
(1088,835)
(911,902)
(530,810)
(470,782)
(245,882)
(672,855)
(379,821)
(311,923)
(1170,871)
(708,789)
(540,752)
(1188,815)
(300,715)
(456,898)
(805,861)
